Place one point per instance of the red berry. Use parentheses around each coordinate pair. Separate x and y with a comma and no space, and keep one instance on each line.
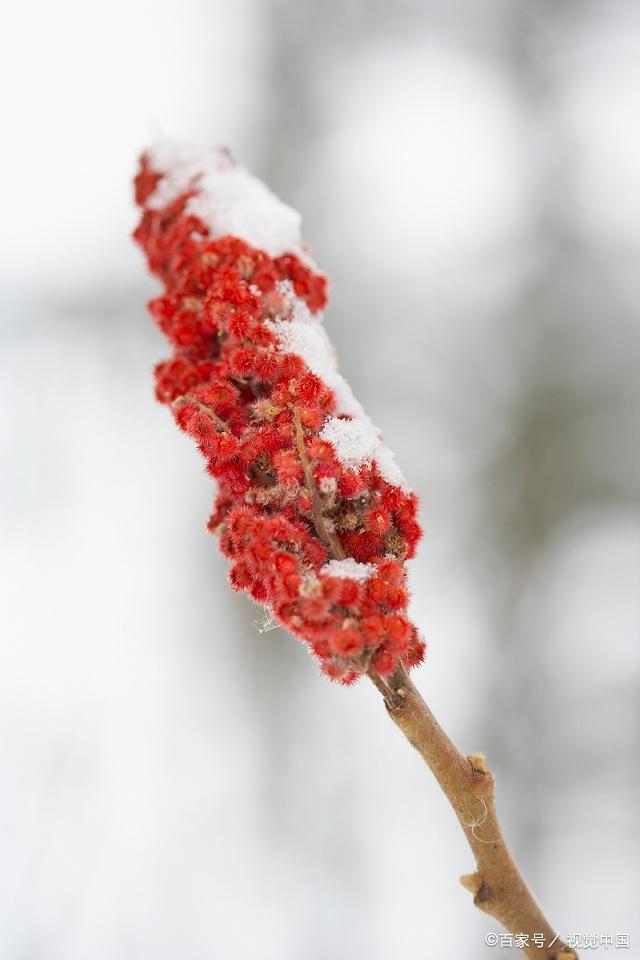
(346,642)
(285,504)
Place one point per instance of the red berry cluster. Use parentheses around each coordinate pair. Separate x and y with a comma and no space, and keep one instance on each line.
(286,505)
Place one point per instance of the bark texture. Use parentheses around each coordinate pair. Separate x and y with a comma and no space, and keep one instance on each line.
(497,885)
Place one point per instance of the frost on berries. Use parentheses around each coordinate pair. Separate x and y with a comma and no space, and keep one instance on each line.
(312,511)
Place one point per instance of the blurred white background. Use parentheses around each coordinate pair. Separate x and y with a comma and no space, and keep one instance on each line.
(172,782)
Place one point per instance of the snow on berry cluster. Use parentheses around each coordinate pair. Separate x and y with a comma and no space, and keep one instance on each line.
(312,511)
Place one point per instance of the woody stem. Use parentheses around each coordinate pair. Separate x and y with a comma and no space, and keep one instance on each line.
(497,885)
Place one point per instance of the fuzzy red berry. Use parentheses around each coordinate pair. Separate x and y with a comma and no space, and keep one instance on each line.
(311,512)
(346,642)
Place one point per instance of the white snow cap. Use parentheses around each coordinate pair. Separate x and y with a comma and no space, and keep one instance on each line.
(230,200)
(303,333)
(356,441)
(348,569)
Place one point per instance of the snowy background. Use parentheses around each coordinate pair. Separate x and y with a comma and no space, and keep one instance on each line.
(173,784)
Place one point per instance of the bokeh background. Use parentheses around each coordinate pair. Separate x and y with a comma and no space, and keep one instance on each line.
(173,782)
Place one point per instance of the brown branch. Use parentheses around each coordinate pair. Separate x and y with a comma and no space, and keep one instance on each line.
(497,885)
